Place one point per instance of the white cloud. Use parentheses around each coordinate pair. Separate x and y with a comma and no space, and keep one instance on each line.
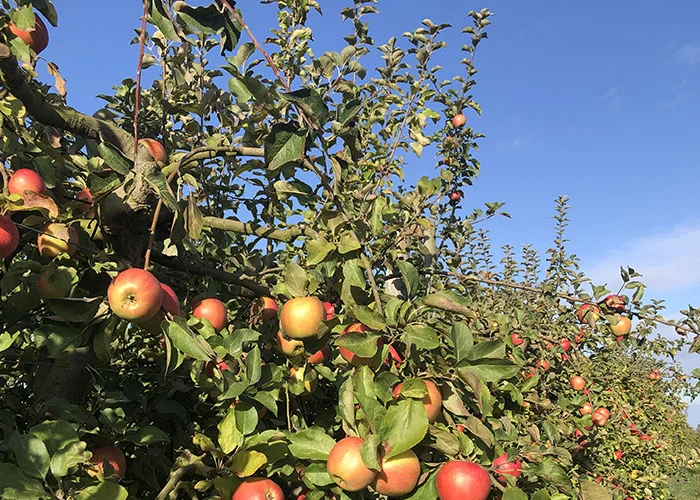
(689,53)
(668,261)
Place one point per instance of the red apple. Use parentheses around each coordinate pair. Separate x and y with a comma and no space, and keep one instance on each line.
(350,356)
(85,201)
(56,238)
(330,310)
(586,409)
(544,365)
(113,456)
(212,310)
(588,313)
(565,344)
(211,367)
(432,400)
(517,339)
(268,309)
(459,120)
(398,476)
(258,488)
(345,465)
(135,295)
(320,356)
(615,302)
(54,283)
(618,454)
(502,466)
(37,38)
(155,149)
(600,417)
(455,196)
(578,383)
(289,347)
(622,327)
(9,237)
(301,317)
(26,180)
(459,480)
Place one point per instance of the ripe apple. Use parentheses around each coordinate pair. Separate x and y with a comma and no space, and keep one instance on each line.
(330,310)
(588,313)
(586,409)
(399,475)
(113,456)
(26,180)
(345,465)
(565,344)
(544,365)
(618,454)
(268,308)
(289,347)
(85,201)
(432,400)
(501,466)
(517,339)
(460,428)
(37,38)
(54,283)
(455,196)
(170,305)
(258,488)
(350,356)
(301,317)
(578,383)
(57,238)
(155,148)
(9,236)
(210,309)
(320,356)
(615,302)
(600,417)
(459,480)
(135,295)
(459,120)
(622,327)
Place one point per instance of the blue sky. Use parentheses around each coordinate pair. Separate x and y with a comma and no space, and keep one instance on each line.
(595,100)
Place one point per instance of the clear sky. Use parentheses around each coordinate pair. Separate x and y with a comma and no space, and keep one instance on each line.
(595,100)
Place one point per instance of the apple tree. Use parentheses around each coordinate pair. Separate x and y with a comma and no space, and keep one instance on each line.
(229,282)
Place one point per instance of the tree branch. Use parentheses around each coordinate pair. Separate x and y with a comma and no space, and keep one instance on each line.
(235,226)
(218,274)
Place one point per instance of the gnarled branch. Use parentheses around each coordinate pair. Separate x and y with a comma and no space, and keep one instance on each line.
(235,226)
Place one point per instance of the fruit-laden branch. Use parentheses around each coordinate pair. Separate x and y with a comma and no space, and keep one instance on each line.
(234,226)
(55,115)
(570,298)
(175,264)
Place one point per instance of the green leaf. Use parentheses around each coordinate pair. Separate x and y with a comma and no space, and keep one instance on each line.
(376,222)
(363,380)
(553,473)
(362,344)
(296,279)
(514,494)
(310,444)
(463,340)
(478,429)
(55,434)
(14,485)
(158,182)
(540,495)
(160,17)
(317,250)
(114,158)
(253,367)
(421,336)
(318,475)
(369,451)
(31,454)
(449,301)
(369,317)
(284,144)
(106,490)
(426,491)
(352,272)
(410,276)
(403,427)
(185,340)
(491,370)
(230,437)
(590,490)
(57,339)
(68,457)
(210,20)
(245,463)
(348,243)
(146,435)
(6,340)
(78,310)
(311,103)
(493,349)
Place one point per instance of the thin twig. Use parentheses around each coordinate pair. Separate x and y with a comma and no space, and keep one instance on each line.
(139,67)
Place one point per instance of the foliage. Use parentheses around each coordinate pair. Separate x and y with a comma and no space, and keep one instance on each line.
(286,177)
